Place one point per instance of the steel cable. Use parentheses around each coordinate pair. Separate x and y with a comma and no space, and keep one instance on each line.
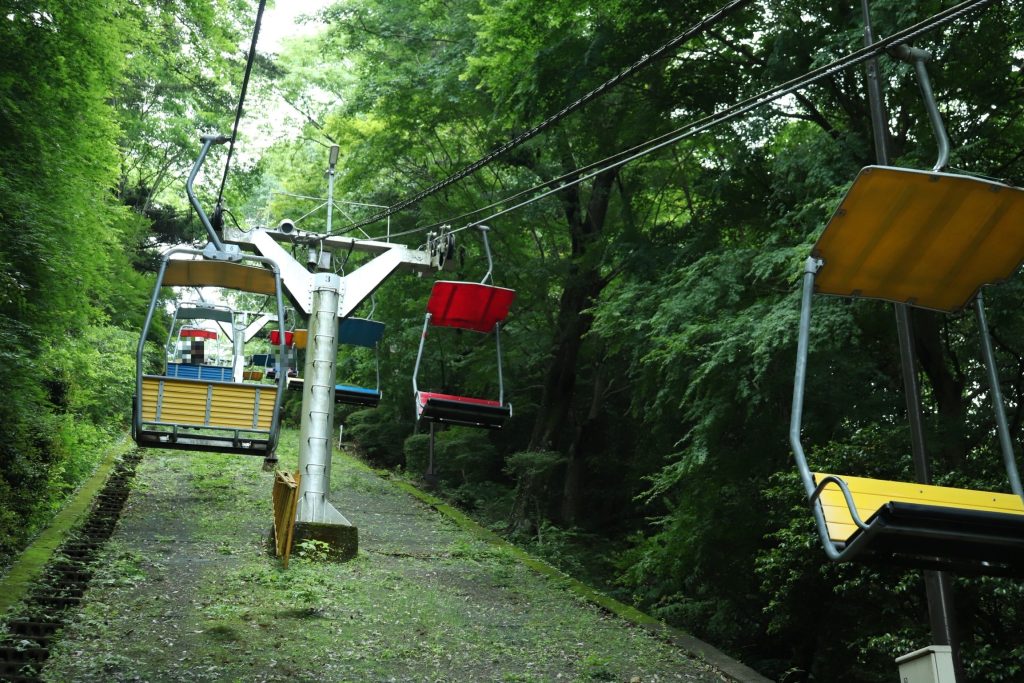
(241,100)
(526,135)
(619,159)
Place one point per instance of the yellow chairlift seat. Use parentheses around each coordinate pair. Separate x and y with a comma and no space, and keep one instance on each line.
(203,414)
(923,525)
(923,238)
(931,240)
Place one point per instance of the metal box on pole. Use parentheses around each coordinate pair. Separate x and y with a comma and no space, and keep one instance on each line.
(933,664)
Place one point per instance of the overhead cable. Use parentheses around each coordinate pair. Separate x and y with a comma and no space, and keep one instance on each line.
(241,99)
(766,97)
(644,61)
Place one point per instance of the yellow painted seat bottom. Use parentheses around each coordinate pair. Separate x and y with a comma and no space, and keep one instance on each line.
(870,495)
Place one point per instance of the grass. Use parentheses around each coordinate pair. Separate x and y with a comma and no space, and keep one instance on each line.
(16,583)
(186,591)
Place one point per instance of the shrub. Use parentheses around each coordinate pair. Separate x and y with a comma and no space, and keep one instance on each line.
(417,453)
(467,454)
(378,435)
(533,471)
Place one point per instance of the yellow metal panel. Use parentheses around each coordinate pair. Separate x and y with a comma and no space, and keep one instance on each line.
(184,402)
(180,273)
(299,340)
(871,494)
(923,238)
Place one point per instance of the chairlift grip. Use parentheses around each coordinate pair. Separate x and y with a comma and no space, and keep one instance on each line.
(919,58)
(487,249)
(208,141)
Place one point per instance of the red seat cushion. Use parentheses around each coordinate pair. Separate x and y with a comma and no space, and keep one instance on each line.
(424,396)
(469,305)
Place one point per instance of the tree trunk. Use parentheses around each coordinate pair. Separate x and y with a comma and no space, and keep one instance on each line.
(582,287)
(578,450)
(946,388)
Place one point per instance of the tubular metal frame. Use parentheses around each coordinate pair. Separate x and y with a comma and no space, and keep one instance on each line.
(861,542)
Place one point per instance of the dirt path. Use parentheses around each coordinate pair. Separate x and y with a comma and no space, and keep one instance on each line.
(185,591)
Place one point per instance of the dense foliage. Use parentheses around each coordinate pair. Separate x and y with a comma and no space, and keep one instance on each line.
(99,104)
(650,351)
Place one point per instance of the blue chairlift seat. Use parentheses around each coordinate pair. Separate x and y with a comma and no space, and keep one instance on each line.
(367,334)
(212,373)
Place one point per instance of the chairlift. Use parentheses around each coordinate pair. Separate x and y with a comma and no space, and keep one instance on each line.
(478,307)
(366,333)
(186,347)
(200,413)
(932,240)
(354,332)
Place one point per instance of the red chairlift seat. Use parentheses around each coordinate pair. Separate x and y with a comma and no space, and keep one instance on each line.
(462,410)
(469,306)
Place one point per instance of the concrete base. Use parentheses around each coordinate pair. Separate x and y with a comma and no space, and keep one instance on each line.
(342,539)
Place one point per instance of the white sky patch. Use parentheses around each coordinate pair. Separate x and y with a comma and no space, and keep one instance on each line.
(282,21)
(269,119)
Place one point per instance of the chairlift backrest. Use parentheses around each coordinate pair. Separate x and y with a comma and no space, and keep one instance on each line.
(469,305)
(221,315)
(360,332)
(196,333)
(922,238)
(263,360)
(182,273)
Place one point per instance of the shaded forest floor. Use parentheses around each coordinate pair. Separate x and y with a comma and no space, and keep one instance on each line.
(185,591)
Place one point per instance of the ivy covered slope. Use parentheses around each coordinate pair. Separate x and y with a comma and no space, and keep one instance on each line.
(98,113)
(649,355)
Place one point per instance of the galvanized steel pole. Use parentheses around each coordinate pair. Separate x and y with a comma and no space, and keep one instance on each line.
(316,432)
(938,587)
